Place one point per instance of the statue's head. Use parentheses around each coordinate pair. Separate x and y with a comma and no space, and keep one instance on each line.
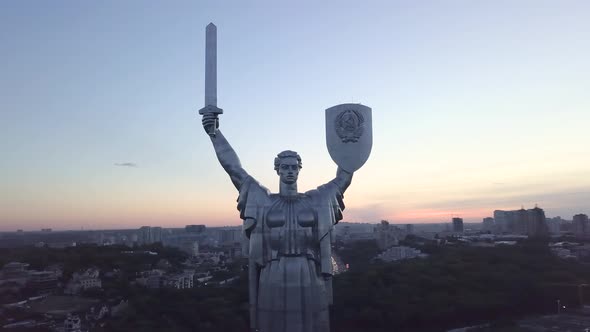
(287,165)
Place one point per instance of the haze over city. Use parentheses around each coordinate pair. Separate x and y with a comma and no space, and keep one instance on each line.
(476,107)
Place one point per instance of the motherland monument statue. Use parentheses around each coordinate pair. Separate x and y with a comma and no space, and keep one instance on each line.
(290,234)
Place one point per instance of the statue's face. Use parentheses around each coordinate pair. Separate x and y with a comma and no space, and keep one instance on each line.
(289,170)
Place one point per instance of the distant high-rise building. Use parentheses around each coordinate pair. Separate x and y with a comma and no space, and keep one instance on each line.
(149,235)
(447,227)
(554,225)
(187,242)
(520,223)
(386,235)
(530,222)
(346,233)
(566,225)
(195,228)
(503,220)
(488,224)
(356,232)
(580,225)
(458,225)
(409,229)
(144,235)
(230,236)
(156,235)
(195,249)
(536,223)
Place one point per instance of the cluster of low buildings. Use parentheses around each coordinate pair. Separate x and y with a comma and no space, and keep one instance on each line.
(57,305)
(187,239)
(571,250)
(398,253)
(82,281)
(155,279)
(49,310)
(66,314)
(182,280)
(16,275)
(385,233)
(197,270)
(388,238)
(184,239)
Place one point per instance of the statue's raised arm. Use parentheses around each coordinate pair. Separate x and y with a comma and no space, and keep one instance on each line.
(225,153)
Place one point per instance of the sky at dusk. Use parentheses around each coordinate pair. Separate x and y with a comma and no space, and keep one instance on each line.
(476,105)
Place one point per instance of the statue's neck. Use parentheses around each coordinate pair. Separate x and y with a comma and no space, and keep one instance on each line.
(288,189)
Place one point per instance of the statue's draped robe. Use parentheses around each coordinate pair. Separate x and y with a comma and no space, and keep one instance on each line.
(290,263)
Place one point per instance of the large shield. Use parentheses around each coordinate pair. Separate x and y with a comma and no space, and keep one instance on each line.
(349,135)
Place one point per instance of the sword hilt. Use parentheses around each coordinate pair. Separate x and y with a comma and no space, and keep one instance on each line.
(210,109)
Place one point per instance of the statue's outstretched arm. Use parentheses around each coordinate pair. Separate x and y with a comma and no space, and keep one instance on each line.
(226,155)
(343,179)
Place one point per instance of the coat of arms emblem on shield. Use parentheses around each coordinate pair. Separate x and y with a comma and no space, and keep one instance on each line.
(349,126)
(349,135)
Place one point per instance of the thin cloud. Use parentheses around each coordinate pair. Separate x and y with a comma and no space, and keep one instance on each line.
(126,164)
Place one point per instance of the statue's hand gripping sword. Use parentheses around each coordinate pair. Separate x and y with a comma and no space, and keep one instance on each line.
(211,76)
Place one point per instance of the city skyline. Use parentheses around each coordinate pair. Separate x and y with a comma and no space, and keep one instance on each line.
(449,222)
(476,108)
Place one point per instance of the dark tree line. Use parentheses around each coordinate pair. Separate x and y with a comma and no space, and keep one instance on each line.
(455,286)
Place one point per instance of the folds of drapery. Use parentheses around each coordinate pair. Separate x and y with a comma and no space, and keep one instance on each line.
(328,204)
(254,201)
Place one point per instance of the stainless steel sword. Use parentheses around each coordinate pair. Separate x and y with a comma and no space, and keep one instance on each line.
(211,76)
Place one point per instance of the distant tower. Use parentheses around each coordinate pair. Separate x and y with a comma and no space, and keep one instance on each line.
(195,228)
(156,234)
(580,224)
(409,229)
(488,224)
(502,220)
(386,235)
(458,225)
(145,235)
(530,222)
(536,223)
(195,251)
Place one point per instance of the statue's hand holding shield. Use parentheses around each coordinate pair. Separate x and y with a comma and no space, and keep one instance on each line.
(349,135)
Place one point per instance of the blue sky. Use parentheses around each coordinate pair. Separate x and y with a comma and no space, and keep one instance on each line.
(476,106)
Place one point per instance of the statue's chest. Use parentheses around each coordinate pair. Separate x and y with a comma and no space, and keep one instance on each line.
(291,223)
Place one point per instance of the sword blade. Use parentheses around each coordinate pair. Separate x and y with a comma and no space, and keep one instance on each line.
(211,65)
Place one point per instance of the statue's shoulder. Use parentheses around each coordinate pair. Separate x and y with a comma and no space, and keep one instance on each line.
(252,185)
(252,194)
(329,189)
(311,193)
